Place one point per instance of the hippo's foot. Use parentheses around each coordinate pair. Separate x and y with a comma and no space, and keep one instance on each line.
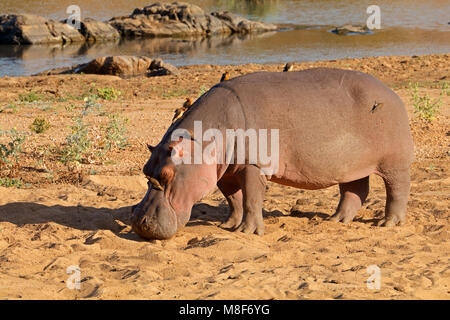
(252,226)
(353,194)
(391,221)
(344,216)
(397,184)
(232,222)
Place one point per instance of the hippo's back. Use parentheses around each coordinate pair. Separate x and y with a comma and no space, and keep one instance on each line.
(338,124)
(325,91)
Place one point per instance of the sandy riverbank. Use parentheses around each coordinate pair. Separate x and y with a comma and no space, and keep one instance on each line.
(58,218)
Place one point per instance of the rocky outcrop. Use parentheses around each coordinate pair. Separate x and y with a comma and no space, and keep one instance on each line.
(94,31)
(183,19)
(31,29)
(351,29)
(157,20)
(122,66)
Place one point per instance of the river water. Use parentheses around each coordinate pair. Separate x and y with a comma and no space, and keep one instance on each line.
(408,27)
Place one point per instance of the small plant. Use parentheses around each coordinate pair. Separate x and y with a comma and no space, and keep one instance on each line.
(12,149)
(12,107)
(40,125)
(108,93)
(30,97)
(90,101)
(116,132)
(7,182)
(202,91)
(424,107)
(445,89)
(78,143)
(175,93)
(70,107)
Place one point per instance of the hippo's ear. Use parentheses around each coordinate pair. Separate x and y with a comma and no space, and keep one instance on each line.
(151,148)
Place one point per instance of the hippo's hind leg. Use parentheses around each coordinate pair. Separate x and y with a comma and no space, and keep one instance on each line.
(397,184)
(232,191)
(353,195)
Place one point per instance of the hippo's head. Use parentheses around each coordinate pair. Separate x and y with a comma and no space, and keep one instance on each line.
(172,190)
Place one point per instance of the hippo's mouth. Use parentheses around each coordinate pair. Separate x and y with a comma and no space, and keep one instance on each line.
(154,217)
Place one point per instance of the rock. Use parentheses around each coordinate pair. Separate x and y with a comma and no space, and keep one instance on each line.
(157,20)
(183,19)
(122,66)
(158,67)
(31,29)
(351,29)
(94,30)
(117,65)
(238,24)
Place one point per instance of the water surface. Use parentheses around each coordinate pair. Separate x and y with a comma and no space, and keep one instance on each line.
(407,27)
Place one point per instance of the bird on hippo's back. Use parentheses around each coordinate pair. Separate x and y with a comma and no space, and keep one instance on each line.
(180,111)
(288,67)
(225,76)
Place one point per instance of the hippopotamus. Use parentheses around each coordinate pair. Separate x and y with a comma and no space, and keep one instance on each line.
(334,127)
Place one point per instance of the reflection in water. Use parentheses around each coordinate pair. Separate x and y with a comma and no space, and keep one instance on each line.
(291,45)
(408,27)
(31,59)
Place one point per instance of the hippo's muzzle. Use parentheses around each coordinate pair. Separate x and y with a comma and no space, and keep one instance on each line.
(153,217)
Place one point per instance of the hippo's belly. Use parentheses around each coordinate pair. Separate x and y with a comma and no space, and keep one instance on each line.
(316,162)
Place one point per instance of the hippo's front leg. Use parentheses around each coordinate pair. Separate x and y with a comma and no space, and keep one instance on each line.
(253,188)
(231,189)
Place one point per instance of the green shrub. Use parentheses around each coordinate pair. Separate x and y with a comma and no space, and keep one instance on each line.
(7,182)
(30,97)
(116,132)
(175,93)
(13,148)
(424,107)
(108,93)
(40,125)
(202,91)
(78,143)
(11,106)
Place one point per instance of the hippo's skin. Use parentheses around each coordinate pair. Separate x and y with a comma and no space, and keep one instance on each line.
(335,127)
